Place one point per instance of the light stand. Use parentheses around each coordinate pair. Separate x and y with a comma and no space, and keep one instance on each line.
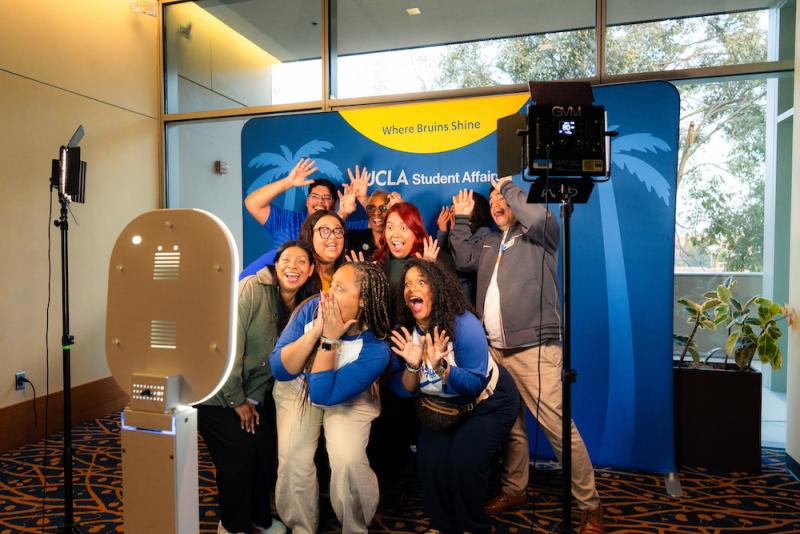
(566,192)
(68,175)
(565,137)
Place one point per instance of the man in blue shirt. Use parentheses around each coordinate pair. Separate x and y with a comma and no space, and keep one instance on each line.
(283,224)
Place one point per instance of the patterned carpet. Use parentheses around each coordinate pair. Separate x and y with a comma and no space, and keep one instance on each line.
(634,502)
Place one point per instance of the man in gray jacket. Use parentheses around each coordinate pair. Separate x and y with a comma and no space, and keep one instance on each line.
(518,296)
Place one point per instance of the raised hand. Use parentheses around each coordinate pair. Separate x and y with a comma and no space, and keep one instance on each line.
(430,250)
(394,198)
(355,256)
(497,183)
(333,326)
(436,347)
(298,177)
(463,202)
(347,201)
(358,182)
(403,345)
(444,219)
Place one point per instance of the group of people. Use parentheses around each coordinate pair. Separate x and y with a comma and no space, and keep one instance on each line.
(355,329)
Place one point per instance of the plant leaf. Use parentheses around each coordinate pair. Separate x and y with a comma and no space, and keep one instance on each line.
(731,343)
(724,293)
(711,303)
(689,304)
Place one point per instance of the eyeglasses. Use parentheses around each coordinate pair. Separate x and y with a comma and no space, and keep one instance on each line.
(325,232)
(383,208)
(317,196)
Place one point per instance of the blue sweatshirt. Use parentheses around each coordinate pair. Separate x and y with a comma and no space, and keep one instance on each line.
(360,360)
(469,365)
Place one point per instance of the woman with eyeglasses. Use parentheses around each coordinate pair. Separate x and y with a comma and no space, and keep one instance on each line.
(326,362)
(324,231)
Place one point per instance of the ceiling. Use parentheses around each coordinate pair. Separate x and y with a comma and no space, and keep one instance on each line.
(291,31)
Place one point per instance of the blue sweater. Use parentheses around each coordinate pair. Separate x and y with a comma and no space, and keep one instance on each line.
(469,365)
(360,360)
(284,225)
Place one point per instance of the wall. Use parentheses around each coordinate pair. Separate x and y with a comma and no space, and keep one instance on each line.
(90,62)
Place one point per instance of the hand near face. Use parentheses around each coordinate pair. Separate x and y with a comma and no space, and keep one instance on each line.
(403,345)
(333,326)
(298,177)
(463,202)
(436,347)
(430,250)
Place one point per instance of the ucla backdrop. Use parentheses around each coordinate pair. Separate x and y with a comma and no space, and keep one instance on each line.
(622,240)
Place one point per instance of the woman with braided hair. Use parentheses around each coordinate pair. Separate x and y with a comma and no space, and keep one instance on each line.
(442,355)
(326,362)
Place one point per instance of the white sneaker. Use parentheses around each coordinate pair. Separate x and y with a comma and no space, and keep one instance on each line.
(275,528)
(222,530)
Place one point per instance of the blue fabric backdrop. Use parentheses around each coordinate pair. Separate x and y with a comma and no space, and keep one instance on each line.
(622,246)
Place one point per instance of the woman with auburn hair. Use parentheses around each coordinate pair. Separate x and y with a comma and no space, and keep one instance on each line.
(404,238)
(238,423)
(442,358)
(324,232)
(326,362)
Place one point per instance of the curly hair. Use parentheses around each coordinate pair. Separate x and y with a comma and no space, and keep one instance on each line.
(448,298)
(410,215)
(307,232)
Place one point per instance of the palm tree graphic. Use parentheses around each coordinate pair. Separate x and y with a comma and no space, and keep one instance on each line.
(621,409)
(279,165)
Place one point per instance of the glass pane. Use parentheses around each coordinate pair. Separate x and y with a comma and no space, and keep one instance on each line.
(222,55)
(382,49)
(661,36)
(204,169)
(721,176)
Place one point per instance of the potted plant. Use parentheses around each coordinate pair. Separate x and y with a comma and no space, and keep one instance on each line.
(718,404)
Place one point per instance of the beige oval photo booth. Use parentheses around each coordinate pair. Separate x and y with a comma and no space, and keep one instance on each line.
(170,339)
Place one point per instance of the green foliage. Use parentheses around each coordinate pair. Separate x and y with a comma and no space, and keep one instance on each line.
(724,202)
(748,335)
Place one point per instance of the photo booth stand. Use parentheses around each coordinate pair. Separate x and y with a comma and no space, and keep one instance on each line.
(170,341)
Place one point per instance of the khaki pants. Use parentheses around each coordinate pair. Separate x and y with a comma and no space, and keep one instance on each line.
(354,486)
(522,364)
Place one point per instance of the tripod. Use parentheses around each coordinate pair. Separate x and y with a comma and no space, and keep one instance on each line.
(66,179)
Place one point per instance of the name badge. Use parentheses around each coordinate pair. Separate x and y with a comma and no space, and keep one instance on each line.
(508,244)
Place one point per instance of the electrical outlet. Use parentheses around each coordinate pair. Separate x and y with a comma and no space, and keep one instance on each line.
(19,383)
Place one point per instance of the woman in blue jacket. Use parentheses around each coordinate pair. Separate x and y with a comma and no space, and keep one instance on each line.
(326,363)
(441,351)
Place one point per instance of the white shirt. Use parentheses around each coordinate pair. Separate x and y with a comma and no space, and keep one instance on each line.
(492,316)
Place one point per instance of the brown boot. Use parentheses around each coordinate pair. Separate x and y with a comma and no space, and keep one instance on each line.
(502,502)
(592,521)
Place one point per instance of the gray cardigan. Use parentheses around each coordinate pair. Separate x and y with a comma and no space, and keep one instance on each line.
(520,274)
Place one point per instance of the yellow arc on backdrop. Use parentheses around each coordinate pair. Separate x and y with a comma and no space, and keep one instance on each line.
(431,127)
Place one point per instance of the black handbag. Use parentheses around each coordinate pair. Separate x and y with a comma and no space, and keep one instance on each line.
(439,414)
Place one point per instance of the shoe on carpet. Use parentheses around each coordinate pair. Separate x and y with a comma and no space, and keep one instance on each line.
(275,528)
(592,521)
(504,501)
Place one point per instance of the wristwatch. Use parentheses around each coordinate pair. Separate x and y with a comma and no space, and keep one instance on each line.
(329,343)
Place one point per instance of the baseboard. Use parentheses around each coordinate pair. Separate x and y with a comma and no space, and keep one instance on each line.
(793,466)
(89,401)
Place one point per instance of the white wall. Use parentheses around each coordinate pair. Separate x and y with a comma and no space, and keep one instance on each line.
(90,62)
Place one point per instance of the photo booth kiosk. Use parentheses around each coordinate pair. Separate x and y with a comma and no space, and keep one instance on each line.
(170,340)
